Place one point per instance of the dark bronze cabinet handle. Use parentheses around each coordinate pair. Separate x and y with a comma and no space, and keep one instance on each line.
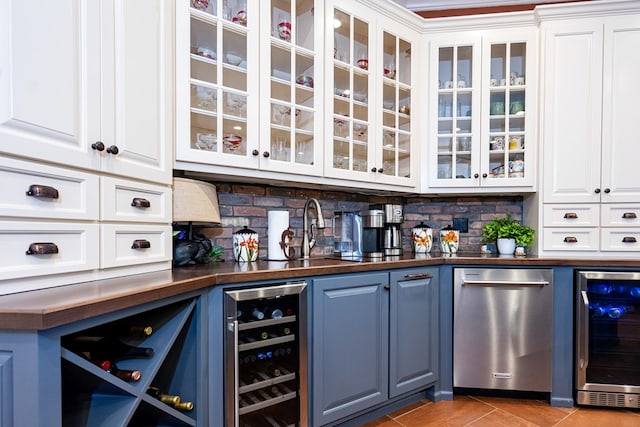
(255,152)
(607,190)
(42,249)
(45,191)
(476,176)
(113,150)
(629,215)
(570,239)
(387,287)
(380,170)
(266,154)
(141,244)
(629,239)
(374,169)
(597,191)
(139,202)
(98,146)
(417,276)
(484,175)
(571,215)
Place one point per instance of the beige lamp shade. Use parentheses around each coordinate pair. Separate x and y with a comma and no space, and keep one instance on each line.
(195,202)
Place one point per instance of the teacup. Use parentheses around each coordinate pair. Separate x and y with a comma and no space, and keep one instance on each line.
(496,143)
(363,63)
(284,30)
(462,84)
(390,73)
(515,143)
(516,107)
(516,166)
(448,84)
(497,108)
(519,81)
(493,82)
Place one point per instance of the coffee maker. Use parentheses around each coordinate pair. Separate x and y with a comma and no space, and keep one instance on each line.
(393,218)
(347,235)
(373,233)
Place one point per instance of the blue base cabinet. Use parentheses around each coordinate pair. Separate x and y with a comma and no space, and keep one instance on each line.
(374,338)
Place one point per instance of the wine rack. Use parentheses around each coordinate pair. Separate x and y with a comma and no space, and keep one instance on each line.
(92,396)
(265,373)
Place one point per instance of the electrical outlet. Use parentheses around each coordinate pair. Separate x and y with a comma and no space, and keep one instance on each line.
(461,224)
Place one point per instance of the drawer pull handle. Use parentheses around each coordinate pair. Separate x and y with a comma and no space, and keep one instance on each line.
(42,191)
(570,239)
(139,202)
(417,276)
(42,249)
(141,244)
(629,215)
(629,239)
(571,215)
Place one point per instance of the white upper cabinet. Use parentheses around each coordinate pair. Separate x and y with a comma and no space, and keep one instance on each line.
(234,110)
(590,114)
(90,87)
(371,91)
(482,119)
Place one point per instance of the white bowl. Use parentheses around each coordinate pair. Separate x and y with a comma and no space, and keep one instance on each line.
(360,96)
(233,58)
(388,105)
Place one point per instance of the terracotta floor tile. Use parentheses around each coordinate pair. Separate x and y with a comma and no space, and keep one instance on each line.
(410,408)
(382,422)
(594,417)
(460,411)
(535,411)
(498,418)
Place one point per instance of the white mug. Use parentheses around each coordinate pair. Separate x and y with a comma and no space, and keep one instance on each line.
(516,166)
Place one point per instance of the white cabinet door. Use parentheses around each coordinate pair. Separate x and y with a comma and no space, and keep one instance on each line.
(572,111)
(620,131)
(50,80)
(137,104)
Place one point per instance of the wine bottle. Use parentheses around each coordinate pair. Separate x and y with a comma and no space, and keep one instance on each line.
(288,312)
(184,406)
(285,331)
(274,371)
(139,330)
(129,375)
(273,313)
(257,314)
(108,348)
(164,398)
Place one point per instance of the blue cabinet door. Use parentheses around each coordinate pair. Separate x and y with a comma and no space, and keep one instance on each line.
(350,344)
(413,328)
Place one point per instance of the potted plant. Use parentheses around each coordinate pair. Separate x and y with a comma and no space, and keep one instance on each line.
(507,233)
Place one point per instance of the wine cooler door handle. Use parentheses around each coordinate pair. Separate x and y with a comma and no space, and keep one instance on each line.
(236,374)
(583,334)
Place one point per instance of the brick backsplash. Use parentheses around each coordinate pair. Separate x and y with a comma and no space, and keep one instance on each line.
(242,204)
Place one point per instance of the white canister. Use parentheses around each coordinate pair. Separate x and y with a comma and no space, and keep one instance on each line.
(449,240)
(421,238)
(245,245)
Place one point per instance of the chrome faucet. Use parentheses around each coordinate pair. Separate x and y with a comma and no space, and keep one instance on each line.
(308,235)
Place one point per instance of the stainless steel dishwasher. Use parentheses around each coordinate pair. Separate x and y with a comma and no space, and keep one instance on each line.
(502,328)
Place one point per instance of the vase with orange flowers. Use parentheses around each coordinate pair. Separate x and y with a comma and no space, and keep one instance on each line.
(449,240)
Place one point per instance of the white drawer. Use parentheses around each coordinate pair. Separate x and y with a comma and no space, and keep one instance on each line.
(620,239)
(131,201)
(126,244)
(27,188)
(571,215)
(570,239)
(622,215)
(76,245)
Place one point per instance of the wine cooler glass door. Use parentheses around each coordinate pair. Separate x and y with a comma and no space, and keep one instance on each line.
(265,355)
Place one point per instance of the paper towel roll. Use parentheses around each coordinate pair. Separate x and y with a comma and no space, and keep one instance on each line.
(278,222)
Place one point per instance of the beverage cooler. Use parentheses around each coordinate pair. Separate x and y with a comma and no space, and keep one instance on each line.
(608,338)
(266,356)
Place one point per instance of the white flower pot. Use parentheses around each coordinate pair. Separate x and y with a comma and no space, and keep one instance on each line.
(506,246)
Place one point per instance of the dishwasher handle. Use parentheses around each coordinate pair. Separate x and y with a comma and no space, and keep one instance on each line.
(524,283)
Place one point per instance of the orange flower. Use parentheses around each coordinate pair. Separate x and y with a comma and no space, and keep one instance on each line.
(450,237)
(421,241)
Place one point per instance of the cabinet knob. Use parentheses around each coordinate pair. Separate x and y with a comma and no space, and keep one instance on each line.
(141,244)
(255,152)
(570,239)
(113,150)
(597,191)
(629,240)
(380,170)
(42,249)
(98,146)
(476,175)
(374,169)
(45,191)
(607,190)
(265,154)
(387,287)
(139,202)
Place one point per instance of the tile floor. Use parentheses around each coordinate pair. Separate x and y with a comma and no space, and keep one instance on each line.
(484,411)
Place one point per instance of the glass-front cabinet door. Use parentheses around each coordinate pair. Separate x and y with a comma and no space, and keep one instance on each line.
(292,86)
(369,79)
(479,123)
(218,71)
(457,126)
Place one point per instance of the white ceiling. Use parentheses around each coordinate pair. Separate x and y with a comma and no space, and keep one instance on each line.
(420,5)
